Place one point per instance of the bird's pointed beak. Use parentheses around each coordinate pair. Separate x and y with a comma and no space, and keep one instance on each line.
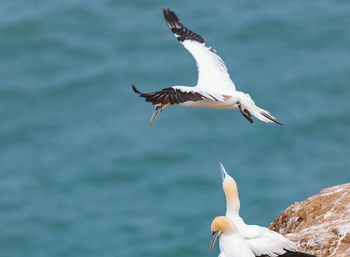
(223,171)
(157,110)
(214,236)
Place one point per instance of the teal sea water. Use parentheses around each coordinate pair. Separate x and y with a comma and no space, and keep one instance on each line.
(83,174)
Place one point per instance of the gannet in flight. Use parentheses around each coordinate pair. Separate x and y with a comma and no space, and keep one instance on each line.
(262,241)
(214,88)
(231,243)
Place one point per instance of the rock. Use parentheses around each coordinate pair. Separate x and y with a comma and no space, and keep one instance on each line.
(320,224)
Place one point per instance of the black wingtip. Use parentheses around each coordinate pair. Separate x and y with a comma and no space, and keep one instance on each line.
(181,32)
(166,16)
(167,12)
(135,90)
(170,17)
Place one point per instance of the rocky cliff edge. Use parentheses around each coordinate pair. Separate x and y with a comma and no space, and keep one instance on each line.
(320,224)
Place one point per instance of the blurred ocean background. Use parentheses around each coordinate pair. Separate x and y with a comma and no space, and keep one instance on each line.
(83,174)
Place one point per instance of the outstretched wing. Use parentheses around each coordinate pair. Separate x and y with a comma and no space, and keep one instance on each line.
(212,72)
(176,95)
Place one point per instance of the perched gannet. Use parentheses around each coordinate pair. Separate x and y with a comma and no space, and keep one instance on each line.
(262,241)
(231,242)
(214,88)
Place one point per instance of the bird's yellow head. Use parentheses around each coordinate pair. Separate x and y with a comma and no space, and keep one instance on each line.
(230,188)
(221,223)
(219,226)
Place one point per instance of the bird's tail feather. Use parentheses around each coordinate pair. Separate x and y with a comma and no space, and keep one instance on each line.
(296,254)
(248,108)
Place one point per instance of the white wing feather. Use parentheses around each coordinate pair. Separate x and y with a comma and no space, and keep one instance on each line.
(262,240)
(268,242)
(212,72)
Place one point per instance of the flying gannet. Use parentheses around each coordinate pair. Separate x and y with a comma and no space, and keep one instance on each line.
(231,243)
(214,88)
(262,241)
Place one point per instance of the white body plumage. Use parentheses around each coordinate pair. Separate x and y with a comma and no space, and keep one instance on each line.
(233,245)
(231,242)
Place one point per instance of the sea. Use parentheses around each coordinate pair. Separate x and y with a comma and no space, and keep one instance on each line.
(83,174)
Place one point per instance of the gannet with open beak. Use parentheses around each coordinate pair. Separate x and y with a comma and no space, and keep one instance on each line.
(262,241)
(231,243)
(214,88)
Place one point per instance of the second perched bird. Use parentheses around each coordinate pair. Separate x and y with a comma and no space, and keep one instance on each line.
(231,243)
(214,88)
(262,241)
